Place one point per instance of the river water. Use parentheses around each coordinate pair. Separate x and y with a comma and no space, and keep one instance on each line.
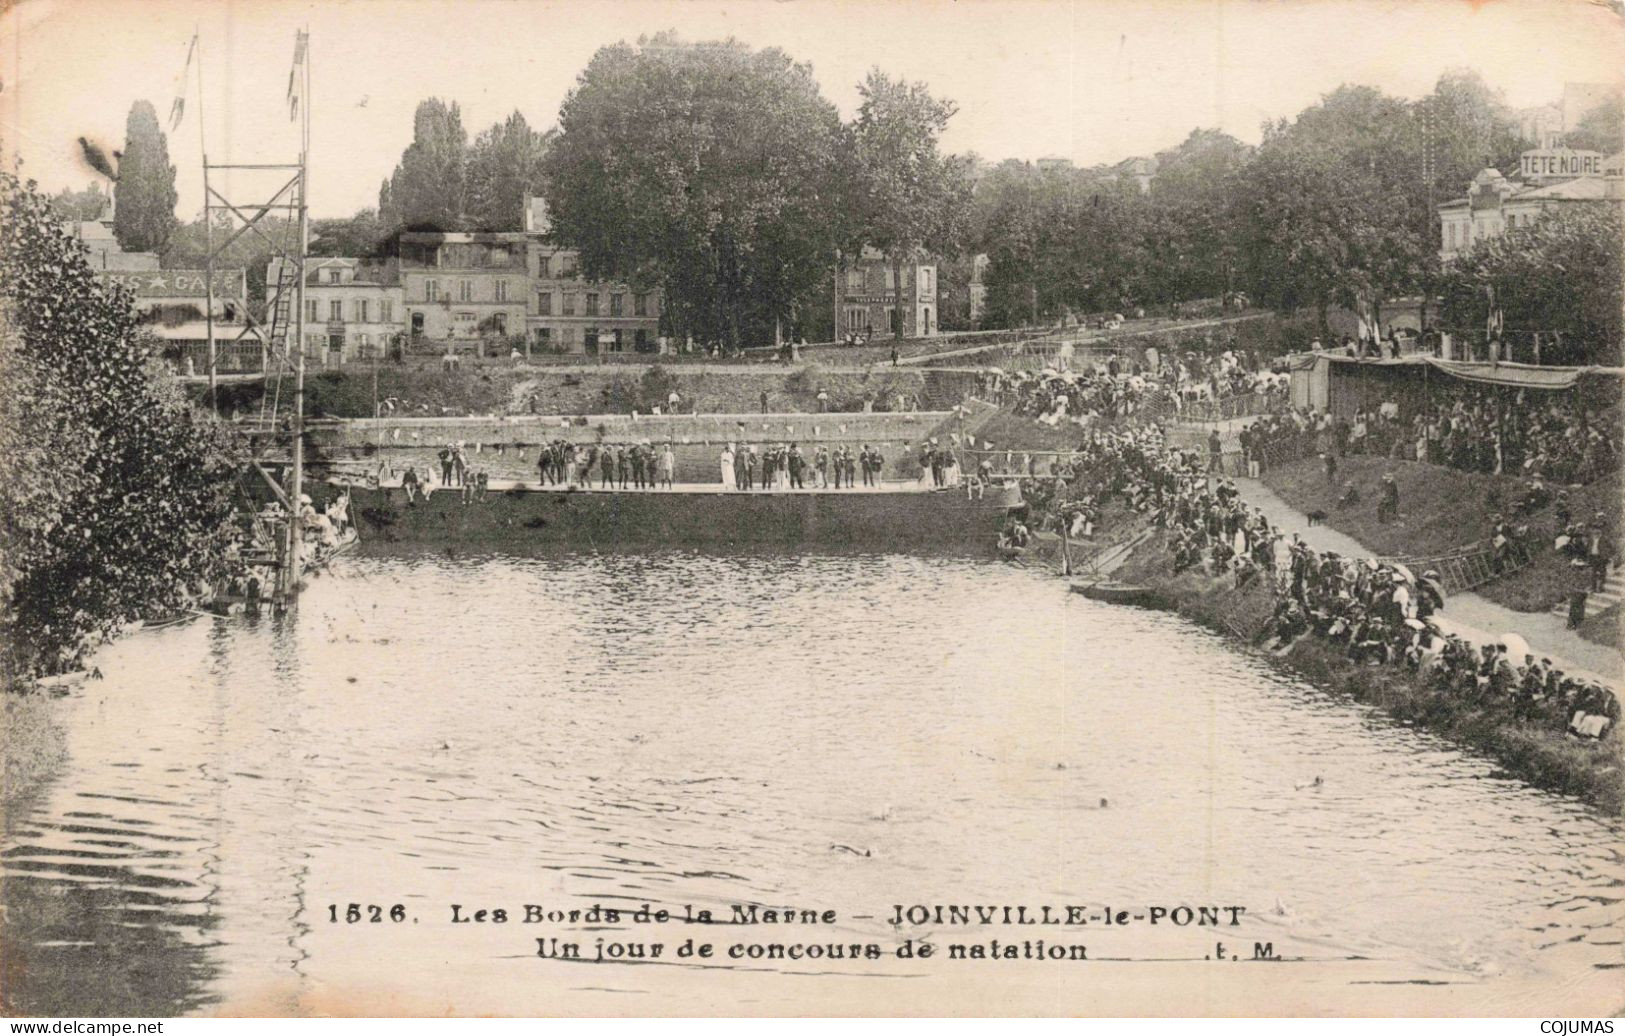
(832,732)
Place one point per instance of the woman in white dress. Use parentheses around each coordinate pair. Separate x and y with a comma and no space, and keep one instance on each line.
(727,463)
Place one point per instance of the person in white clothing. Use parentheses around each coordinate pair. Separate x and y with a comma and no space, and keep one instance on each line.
(727,464)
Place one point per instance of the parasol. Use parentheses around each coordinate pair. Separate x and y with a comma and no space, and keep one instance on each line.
(1516,646)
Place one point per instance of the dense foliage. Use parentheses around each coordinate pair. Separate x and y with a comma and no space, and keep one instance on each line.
(708,168)
(1562,274)
(115,494)
(907,198)
(144,214)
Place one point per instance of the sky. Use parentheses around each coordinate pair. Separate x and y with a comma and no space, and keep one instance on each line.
(1092,80)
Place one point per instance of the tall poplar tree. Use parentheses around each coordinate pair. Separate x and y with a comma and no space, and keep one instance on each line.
(144,196)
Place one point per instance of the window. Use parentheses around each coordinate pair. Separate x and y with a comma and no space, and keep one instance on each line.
(854,279)
(640,304)
(891,279)
(361,311)
(431,290)
(310,311)
(857,318)
(542,337)
(569,298)
(544,303)
(463,317)
(335,311)
(569,263)
(363,341)
(465,291)
(331,276)
(616,304)
(544,266)
(592,303)
(386,311)
(925,280)
(502,291)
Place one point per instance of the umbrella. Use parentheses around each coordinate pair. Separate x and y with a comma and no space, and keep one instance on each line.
(1416,624)
(1516,646)
(1402,570)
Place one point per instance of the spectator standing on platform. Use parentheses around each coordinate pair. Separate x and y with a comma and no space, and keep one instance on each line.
(668,464)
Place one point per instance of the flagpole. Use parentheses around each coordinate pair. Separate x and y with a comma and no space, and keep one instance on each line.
(196,51)
(296,497)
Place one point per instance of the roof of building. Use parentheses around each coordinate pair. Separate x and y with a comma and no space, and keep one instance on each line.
(1583,188)
(443,237)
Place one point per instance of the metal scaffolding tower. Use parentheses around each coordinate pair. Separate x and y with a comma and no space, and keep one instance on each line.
(275,441)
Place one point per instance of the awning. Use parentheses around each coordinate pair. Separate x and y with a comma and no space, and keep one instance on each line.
(1512,375)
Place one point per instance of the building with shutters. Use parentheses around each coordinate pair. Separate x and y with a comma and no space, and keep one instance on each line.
(866,297)
(355,309)
(568,314)
(465,290)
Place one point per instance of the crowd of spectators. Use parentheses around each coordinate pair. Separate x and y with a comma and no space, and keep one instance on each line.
(1471,429)
(1376,613)
(1083,392)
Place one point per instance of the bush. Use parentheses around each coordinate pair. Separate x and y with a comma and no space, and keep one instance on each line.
(116,494)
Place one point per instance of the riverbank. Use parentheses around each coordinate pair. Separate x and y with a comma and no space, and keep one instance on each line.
(1546,758)
(1442,510)
(420,389)
(1586,769)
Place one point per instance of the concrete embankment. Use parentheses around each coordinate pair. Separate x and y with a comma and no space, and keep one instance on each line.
(506,446)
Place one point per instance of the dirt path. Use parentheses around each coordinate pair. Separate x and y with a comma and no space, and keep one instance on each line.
(1467,615)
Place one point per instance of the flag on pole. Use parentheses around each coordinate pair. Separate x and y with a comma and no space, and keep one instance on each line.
(178,109)
(296,76)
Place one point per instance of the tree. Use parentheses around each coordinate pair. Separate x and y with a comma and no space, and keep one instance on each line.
(1334,211)
(707,168)
(358,236)
(80,206)
(428,190)
(116,491)
(144,215)
(1190,222)
(1600,129)
(504,165)
(1561,276)
(910,198)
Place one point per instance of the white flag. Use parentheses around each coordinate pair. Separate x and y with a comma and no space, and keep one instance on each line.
(178,108)
(296,76)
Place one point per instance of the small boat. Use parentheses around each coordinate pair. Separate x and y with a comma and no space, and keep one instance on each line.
(1117,593)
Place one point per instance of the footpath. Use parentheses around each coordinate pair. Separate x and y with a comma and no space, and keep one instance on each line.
(1467,615)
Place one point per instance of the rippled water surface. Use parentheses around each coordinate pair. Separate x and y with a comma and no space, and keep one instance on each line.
(846,732)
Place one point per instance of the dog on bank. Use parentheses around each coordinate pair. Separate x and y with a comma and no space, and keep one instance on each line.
(1316,517)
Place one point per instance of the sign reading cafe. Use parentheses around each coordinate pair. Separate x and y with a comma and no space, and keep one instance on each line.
(172,284)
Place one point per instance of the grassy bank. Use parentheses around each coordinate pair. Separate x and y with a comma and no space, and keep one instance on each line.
(1442,509)
(1589,770)
(521,389)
